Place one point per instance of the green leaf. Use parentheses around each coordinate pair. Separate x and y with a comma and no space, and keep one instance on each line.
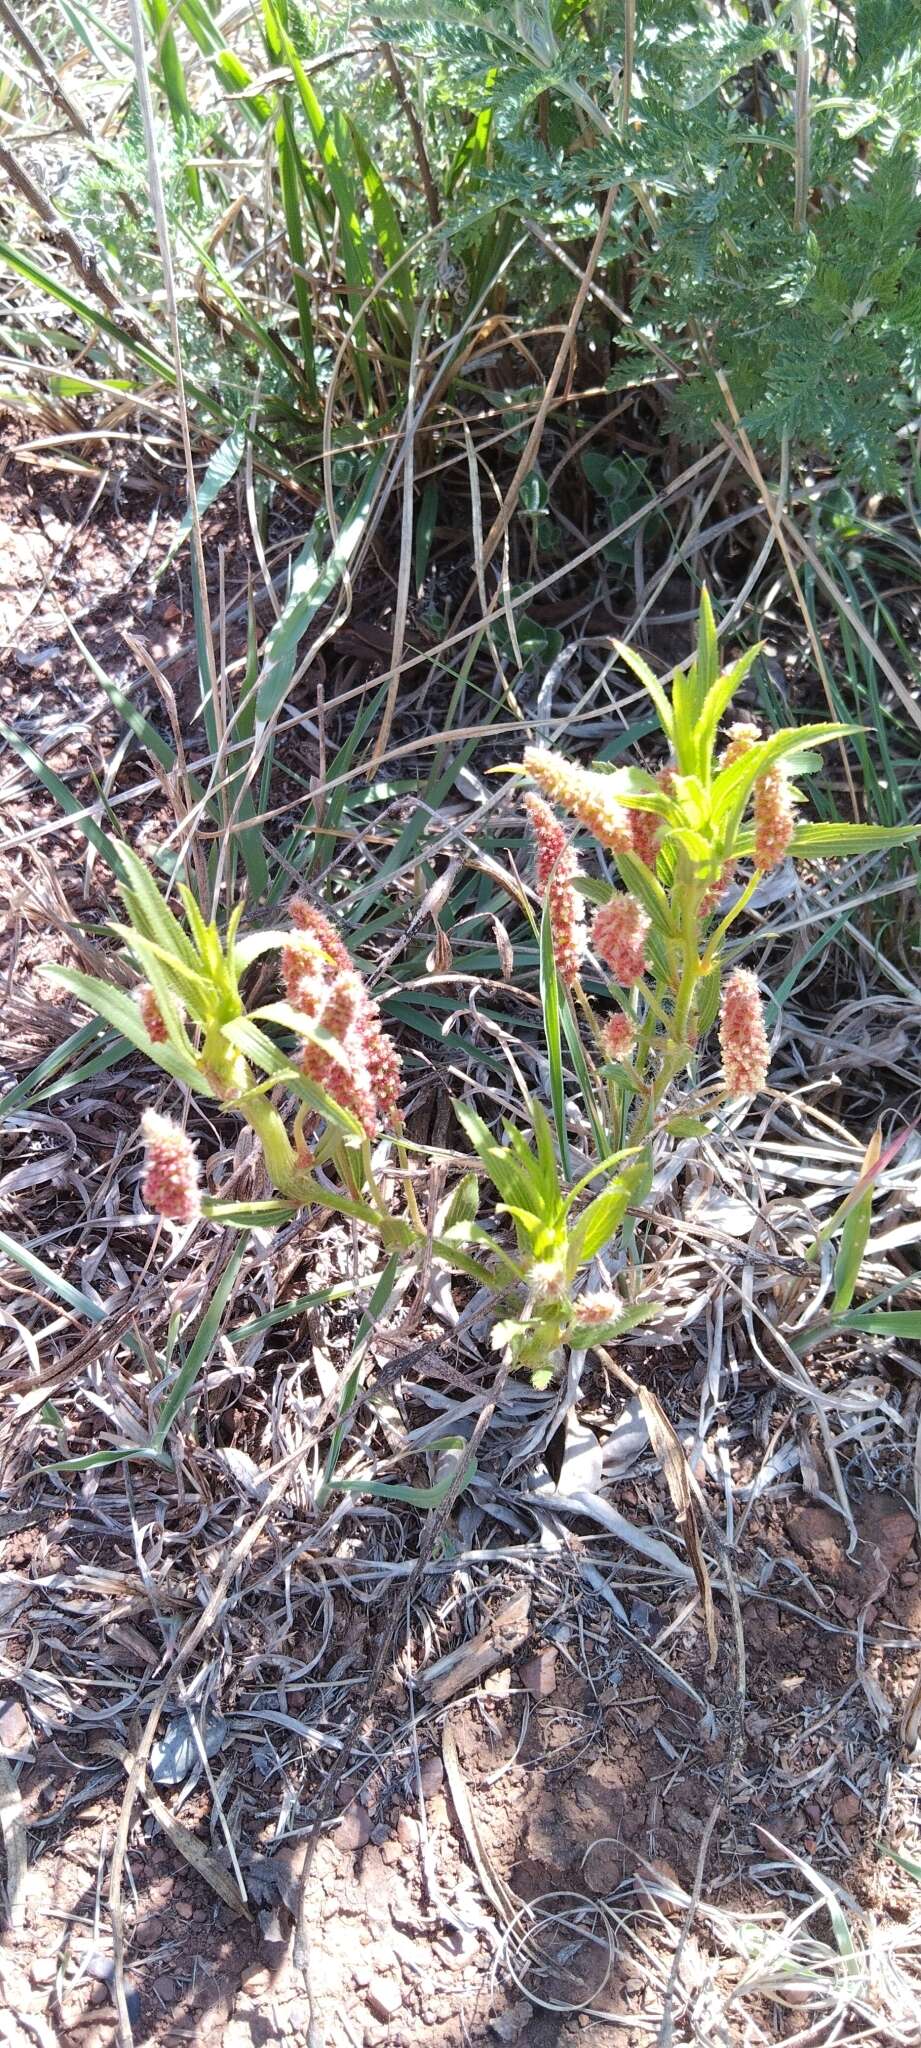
(45,1276)
(376,1308)
(200,1349)
(717,700)
(121,1010)
(642,883)
(147,909)
(267,1215)
(854,1233)
(550,1003)
(256,1047)
(904,1322)
(462,1205)
(733,785)
(65,799)
(827,842)
(312,583)
(414,1496)
(221,470)
(652,685)
(583,1336)
(706,667)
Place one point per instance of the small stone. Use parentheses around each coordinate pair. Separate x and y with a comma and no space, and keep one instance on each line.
(165,1988)
(846,1808)
(353,1828)
(498,1684)
(237,2034)
(361,1975)
(390,1850)
(385,1997)
(538,1674)
(44,1969)
(437,1815)
(184,1909)
(431,1775)
(15,1733)
(255,1980)
(509,2026)
(409,1831)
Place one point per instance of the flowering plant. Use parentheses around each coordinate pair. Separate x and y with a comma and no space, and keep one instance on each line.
(658,944)
(678,836)
(189,1016)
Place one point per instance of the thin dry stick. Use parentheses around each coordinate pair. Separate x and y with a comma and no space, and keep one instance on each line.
(46,72)
(61,233)
(158,204)
(802,25)
(749,460)
(526,460)
(401,607)
(429,186)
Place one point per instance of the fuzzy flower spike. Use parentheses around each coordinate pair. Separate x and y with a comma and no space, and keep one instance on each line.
(619,933)
(585,794)
(323,984)
(775,818)
(557,869)
(170,1183)
(743,1039)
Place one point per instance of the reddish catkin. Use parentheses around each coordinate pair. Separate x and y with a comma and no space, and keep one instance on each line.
(742,737)
(645,831)
(348,1081)
(315,959)
(556,869)
(170,1183)
(713,896)
(619,932)
(383,1063)
(304,971)
(321,928)
(774,818)
(743,1039)
(618,1036)
(150,1014)
(595,1309)
(586,795)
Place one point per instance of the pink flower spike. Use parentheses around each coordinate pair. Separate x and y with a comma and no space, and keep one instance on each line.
(557,869)
(775,820)
(150,1014)
(595,1309)
(170,1183)
(645,831)
(321,928)
(619,935)
(618,1036)
(742,737)
(587,795)
(348,1081)
(304,971)
(743,1039)
(383,1061)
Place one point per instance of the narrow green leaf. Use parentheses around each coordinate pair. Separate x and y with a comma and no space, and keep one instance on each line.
(199,1350)
(45,1277)
(854,1233)
(121,1010)
(221,470)
(376,1308)
(550,1004)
